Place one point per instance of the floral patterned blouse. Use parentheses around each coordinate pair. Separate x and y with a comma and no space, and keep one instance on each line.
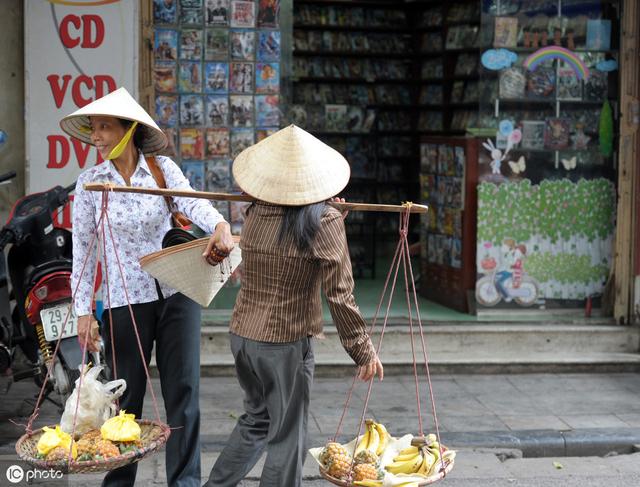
(138,223)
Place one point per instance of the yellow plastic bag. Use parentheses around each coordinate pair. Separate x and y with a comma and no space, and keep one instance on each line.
(121,428)
(53,438)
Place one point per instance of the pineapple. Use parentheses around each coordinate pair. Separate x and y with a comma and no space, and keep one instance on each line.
(367,456)
(87,444)
(58,454)
(340,466)
(331,450)
(365,471)
(106,449)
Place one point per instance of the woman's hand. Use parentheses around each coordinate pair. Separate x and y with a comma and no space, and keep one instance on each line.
(88,327)
(373,368)
(335,199)
(220,244)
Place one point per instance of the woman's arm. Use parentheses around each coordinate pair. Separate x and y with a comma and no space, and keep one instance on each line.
(331,248)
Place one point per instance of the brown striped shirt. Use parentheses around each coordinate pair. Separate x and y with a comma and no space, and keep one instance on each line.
(280,301)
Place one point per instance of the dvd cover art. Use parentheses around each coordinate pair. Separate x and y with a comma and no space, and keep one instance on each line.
(242,44)
(596,86)
(267,77)
(599,34)
(240,140)
(191,12)
(569,86)
(217,12)
(241,78)
(164,12)
(267,111)
(262,134)
(194,172)
(191,44)
(512,83)
(355,118)
(190,77)
(556,133)
(216,77)
(216,45)
(268,12)
(217,111)
(506,32)
(243,13)
(218,175)
(532,134)
(172,143)
(165,45)
(268,45)
(164,76)
(217,142)
(541,83)
(241,109)
(167,110)
(191,143)
(335,118)
(191,110)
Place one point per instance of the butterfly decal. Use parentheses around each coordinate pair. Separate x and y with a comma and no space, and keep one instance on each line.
(569,164)
(518,166)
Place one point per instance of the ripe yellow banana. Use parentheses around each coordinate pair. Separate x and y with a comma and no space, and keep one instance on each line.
(384,437)
(406,457)
(362,444)
(407,466)
(409,449)
(409,484)
(374,438)
(427,463)
(436,464)
(430,439)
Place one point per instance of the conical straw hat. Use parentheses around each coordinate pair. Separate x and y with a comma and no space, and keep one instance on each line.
(118,104)
(291,167)
(183,268)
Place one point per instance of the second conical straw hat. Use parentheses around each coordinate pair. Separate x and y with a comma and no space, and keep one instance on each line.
(291,167)
(183,268)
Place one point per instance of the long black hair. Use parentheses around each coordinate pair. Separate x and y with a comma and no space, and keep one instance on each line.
(301,223)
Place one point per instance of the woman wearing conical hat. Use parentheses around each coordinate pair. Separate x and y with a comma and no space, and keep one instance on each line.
(123,132)
(293,247)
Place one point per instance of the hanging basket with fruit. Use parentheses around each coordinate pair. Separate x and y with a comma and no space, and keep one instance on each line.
(375,458)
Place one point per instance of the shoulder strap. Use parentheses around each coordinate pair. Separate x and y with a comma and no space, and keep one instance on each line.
(179,218)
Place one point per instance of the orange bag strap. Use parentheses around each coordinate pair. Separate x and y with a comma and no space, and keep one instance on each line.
(179,218)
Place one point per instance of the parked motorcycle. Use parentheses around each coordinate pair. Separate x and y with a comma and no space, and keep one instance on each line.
(39,264)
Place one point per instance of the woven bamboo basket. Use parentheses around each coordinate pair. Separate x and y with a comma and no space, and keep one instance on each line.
(153,436)
(429,480)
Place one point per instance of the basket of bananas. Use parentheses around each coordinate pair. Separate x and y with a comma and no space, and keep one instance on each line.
(376,459)
(120,441)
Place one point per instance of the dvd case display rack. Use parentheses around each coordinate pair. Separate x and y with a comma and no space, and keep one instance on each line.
(353,65)
(371,78)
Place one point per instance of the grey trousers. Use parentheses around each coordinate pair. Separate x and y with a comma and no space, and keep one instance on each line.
(276,379)
(174,325)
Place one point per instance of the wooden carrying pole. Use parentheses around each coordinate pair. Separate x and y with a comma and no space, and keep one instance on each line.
(414,208)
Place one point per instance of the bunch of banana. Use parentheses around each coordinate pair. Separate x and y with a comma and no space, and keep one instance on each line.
(374,440)
(431,452)
(378,483)
(410,460)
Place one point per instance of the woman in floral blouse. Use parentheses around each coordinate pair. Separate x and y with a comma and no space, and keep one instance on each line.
(123,132)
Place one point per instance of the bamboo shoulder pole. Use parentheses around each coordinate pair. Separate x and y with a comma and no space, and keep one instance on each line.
(414,208)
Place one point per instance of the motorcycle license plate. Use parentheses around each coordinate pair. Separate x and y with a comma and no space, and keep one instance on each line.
(54,318)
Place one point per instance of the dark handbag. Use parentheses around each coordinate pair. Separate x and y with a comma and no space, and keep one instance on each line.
(177,236)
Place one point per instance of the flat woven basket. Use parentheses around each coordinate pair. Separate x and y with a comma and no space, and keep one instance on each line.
(429,480)
(153,436)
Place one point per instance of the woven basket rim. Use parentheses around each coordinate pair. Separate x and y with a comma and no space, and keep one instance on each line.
(429,480)
(92,466)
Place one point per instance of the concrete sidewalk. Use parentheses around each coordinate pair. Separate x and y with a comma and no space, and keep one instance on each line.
(542,415)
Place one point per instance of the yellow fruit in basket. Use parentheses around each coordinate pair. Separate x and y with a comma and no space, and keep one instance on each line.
(364,471)
(54,437)
(88,442)
(405,466)
(121,428)
(374,437)
(106,449)
(368,483)
(409,449)
(331,450)
(340,466)
(384,437)
(366,456)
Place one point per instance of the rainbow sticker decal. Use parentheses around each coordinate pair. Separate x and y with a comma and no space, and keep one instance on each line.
(557,52)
